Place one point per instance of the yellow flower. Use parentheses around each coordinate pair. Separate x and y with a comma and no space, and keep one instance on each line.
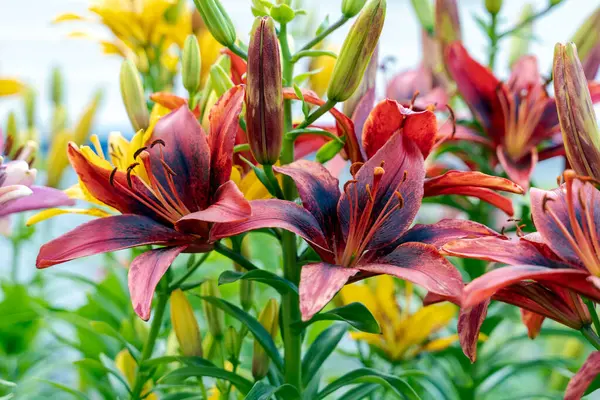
(404,334)
(8,87)
(126,364)
(320,81)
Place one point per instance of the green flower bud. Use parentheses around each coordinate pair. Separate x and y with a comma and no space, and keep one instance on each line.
(185,325)
(191,65)
(213,315)
(424,13)
(264,93)
(356,51)
(59,119)
(555,2)
(367,84)
(56,87)
(134,99)
(493,6)
(269,319)
(232,343)
(246,286)
(447,22)
(576,112)
(12,128)
(352,7)
(587,40)
(29,104)
(520,41)
(217,21)
(82,129)
(329,150)
(220,80)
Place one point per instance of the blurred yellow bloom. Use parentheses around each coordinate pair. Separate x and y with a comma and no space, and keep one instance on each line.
(8,87)
(126,364)
(320,81)
(404,334)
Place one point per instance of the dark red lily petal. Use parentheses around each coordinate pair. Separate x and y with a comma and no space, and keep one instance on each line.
(345,126)
(145,272)
(503,250)
(470,320)
(362,111)
(113,192)
(525,75)
(404,173)
(277,214)
(42,197)
(389,117)
(108,234)
(319,283)
(533,322)
(421,264)
(584,377)
(319,192)
(487,285)
(224,127)
(497,200)
(518,170)
(479,88)
(229,205)
(470,178)
(445,231)
(186,152)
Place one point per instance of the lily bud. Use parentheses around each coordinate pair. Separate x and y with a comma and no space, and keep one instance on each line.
(220,80)
(447,22)
(185,325)
(246,286)
(555,2)
(56,87)
(12,128)
(264,93)
(493,6)
(576,112)
(519,43)
(352,7)
(587,40)
(217,21)
(132,93)
(213,315)
(232,343)
(367,86)
(269,319)
(356,51)
(424,13)
(329,150)
(29,103)
(191,65)
(59,119)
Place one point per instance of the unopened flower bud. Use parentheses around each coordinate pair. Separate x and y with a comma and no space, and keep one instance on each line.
(357,51)
(132,93)
(232,343)
(191,65)
(493,6)
(217,21)
(29,103)
(555,2)
(82,129)
(264,93)
(213,315)
(220,80)
(424,13)
(366,86)
(519,43)
(587,40)
(246,286)
(175,11)
(447,22)
(12,128)
(59,119)
(352,7)
(185,325)
(56,87)
(269,319)
(576,112)
(329,150)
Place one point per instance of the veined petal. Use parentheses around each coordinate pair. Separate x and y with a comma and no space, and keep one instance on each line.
(584,377)
(470,320)
(224,127)
(145,272)
(445,231)
(168,100)
(421,264)
(229,206)
(108,234)
(518,170)
(497,200)
(318,284)
(40,197)
(53,212)
(533,322)
(525,75)
(403,86)
(470,178)
(362,111)
(427,321)
(10,193)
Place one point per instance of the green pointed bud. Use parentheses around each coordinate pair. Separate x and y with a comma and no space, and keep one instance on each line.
(329,150)
(83,127)
(175,11)
(259,9)
(12,128)
(264,93)
(359,46)
(424,12)
(217,21)
(56,87)
(587,40)
(185,325)
(134,99)
(59,119)
(576,112)
(232,343)
(493,6)
(555,2)
(246,286)
(220,80)
(352,7)
(447,22)
(269,319)
(29,105)
(212,314)
(191,65)
(366,85)
(521,40)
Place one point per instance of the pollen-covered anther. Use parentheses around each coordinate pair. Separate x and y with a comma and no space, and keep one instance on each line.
(452,119)
(545,201)
(138,152)
(413,99)
(158,141)
(347,186)
(129,171)
(378,173)
(355,167)
(400,199)
(111,179)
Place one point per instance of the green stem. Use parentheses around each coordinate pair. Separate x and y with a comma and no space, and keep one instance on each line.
(235,257)
(591,336)
(318,113)
(274,182)
(324,34)
(592,309)
(525,22)
(239,51)
(290,305)
(159,312)
(16,254)
(175,285)
(494,38)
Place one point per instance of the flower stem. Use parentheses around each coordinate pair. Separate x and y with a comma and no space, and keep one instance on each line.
(591,336)
(238,51)
(525,22)
(592,309)
(235,257)
(494,38)
(290,306)
(324,34)
(271,177)
(175,285)
(16,254)
(161,304)
(318,113)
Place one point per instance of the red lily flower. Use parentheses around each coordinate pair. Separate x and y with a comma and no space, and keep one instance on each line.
(584,377)
(517,116)
(365,229)
(184,190)
(549,269)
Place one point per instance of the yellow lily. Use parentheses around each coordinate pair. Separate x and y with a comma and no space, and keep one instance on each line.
(9,87)
(404,334)
(320,81)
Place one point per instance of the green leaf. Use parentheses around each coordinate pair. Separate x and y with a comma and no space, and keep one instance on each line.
(322,26)
(355,314)
(360,392)
(263,391)
(7,383)
(188,360)
(97,366)
(242,384)
(320,350)
(183,396)
(282,285)
(105,329)
(300,78)
(282,13)
(74,392)
(260,333)
(399,387)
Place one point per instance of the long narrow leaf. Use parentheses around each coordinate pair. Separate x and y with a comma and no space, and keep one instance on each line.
(320,350)
(282,285)
(263,391)
(242,384)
